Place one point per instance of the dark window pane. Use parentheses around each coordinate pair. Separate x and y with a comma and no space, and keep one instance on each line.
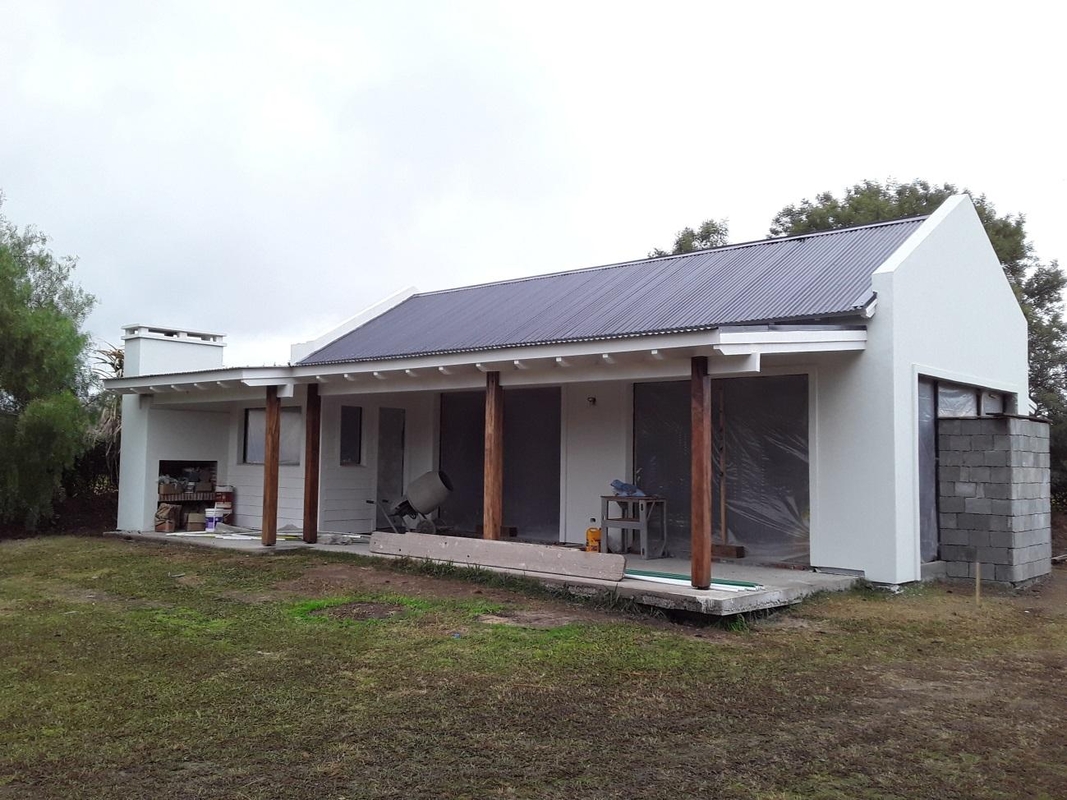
(351,435)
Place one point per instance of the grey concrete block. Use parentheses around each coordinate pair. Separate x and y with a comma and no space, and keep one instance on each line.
(997,491)
(989,571)
(994,458)
(1002,507)
(1015,573)
(977,458)
(1001,442)
(974,522)
(980,474)
(982,442)
(978,538)
(1000,474)
(999,522)
(958,569)
(961,489)
(1025,459)
(953,505)
(953,536)
(995,555)
(948,427)
(946,521)
(1036,552)
(1003,539)
(951,458)
(959,552)
(978,505)
(949,474)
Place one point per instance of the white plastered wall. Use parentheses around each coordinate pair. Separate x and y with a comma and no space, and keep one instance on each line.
(151,435)
(944,309)
(596,449)
(345,490)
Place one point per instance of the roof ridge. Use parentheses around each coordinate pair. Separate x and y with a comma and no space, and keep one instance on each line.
(721,248)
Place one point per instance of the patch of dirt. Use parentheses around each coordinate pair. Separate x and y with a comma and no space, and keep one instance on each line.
(324,580)
(360,611)
(543,619)
(787,622)
(1047,597)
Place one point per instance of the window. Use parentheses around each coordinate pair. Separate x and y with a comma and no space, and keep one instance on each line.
(351,435)
(255,433)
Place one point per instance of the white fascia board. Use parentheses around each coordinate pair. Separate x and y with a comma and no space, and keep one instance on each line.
(200,381)
(634,357)
(301,350)
(735,343)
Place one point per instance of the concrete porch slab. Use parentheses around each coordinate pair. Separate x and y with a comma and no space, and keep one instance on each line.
(777,587)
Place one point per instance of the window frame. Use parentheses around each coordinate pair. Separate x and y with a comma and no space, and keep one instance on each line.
(289,411)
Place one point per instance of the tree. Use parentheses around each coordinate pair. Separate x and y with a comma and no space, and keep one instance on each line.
(1038,286)
(43,421)
(711,233)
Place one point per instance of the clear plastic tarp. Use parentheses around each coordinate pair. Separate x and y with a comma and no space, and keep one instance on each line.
(531,460)
(954,400)
(767,462)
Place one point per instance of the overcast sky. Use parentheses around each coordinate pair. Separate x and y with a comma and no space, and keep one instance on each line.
(267,170)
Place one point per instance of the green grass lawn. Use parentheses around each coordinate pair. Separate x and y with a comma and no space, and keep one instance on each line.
(132,670)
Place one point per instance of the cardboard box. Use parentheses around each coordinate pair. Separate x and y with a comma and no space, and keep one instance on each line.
(165,527)
(169,488)
(205,486)
(196,522)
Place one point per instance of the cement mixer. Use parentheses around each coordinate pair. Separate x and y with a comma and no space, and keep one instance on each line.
(412,512)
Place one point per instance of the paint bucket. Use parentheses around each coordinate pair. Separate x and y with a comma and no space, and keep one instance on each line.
(214,517)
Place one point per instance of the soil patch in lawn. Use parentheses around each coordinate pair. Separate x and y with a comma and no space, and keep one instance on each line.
(324,580)
(527,618)
(359,611)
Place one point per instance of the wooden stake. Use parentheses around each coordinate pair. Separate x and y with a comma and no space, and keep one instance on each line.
(312,433)
(493,494)
(272,450)
(700,472)
(978,583)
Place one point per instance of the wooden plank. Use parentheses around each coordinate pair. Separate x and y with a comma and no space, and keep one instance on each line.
(493,495)
(700,472)
(272,450)
(539,558)
(312,432)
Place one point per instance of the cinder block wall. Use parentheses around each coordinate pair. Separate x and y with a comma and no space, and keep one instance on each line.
(994,498)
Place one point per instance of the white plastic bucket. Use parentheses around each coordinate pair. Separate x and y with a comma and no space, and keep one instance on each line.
(213,517)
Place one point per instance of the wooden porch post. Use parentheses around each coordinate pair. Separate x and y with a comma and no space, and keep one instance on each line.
(272,442)
(700,512)
(312,433)
(493,496)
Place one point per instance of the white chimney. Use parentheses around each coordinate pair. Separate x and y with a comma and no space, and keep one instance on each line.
(154,350)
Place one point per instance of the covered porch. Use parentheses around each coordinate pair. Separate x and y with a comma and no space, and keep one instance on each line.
(332,440)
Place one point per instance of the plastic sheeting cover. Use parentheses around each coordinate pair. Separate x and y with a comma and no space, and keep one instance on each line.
(532,419)
(767,462)
(927,444)
(954,400)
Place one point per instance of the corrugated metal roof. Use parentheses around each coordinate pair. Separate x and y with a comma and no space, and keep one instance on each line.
(797,278)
